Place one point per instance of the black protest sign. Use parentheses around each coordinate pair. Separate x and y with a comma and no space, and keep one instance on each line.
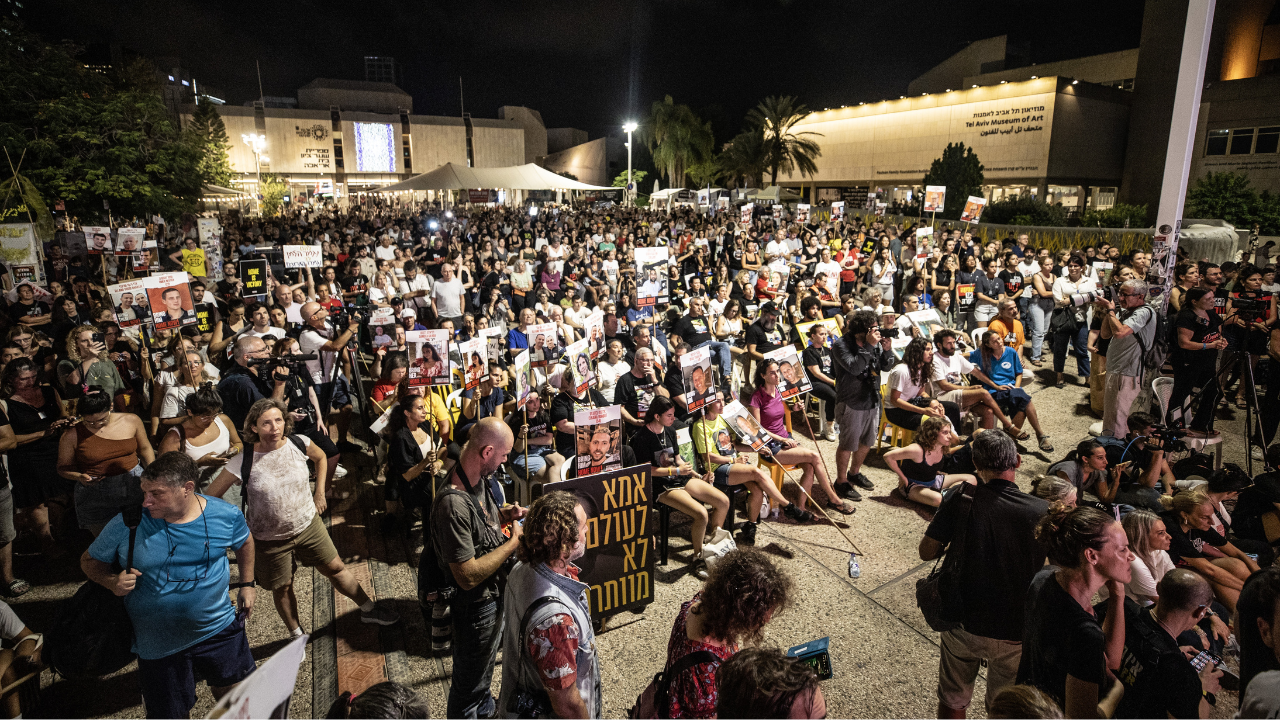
(618,564)
(254,275)
(204,318)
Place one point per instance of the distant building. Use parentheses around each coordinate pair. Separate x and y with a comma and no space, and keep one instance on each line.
(375,97)
(595,162)
(380,70)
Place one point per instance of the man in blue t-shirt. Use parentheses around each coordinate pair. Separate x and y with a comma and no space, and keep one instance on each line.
(185,627)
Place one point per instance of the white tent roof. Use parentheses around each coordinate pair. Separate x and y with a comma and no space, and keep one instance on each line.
(516,177)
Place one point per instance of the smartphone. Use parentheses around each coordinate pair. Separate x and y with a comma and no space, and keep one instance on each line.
(230,453)
(99,338)
(1204,658)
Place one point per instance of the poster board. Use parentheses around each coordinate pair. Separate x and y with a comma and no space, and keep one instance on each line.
(428,357)
(21,249)
(169,299)
(520,370)
(618,566)
(747,211)
(543,344)
(651,276)
(802,213)
(748,430)
(793,381)
(98,239)
(475,362)
(266,691)
(833,329)
(837,210)
(699,378)
(302,256)
(580,371)
(593,329)
(598,434)
(973,209)
(935,198)
(125,298)
(131,240)
(926,321)
(254,275)
(493,342)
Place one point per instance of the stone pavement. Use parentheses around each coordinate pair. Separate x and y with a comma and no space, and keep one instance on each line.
(883,654)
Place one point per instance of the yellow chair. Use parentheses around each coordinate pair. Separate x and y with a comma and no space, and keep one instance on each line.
(898,436)
(778,471)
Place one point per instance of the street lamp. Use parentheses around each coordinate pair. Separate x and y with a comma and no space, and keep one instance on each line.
(257,143)
(629,127)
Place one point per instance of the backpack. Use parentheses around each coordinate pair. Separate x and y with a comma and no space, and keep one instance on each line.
(526,702)
(655,701)
(1154,357)
(246,466)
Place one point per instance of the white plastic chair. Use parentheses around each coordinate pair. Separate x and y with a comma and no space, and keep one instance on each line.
(977,334)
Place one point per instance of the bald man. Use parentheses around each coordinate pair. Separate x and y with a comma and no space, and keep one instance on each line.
(466,536)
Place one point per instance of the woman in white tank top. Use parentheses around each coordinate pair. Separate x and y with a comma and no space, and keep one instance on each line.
(206,435)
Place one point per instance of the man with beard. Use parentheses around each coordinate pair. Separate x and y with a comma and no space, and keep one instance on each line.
(765,334)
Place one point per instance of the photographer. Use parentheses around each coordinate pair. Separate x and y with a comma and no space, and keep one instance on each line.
(305,408)
(860,355)
(1132,331)
(244,384)
(1250,312)
(1141,452)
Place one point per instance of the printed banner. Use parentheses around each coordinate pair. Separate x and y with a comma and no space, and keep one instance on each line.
(581,373)
(973,209)
(475,363)
(543,344)
(169,298)
(935,198)
(520,368)
(204,318)
(593,328)
(428,357)
(599,439)
(98,240)
(130,302)
(302,256)
(699,378)
(254,275)
(131,240)
(651,276)
(793,380)
(618,564)
(747,211)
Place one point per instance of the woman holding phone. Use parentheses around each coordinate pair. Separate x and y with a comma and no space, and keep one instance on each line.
(104,453)
(205,434)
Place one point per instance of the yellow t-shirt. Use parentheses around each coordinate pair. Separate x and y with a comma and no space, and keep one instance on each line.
(716,435)
(193,262)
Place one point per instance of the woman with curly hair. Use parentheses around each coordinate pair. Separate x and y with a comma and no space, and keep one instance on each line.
(744,591)
(88,364)
(919,465)
(909,381)
(764,683)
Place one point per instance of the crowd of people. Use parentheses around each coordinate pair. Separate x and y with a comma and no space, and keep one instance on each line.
(253,402)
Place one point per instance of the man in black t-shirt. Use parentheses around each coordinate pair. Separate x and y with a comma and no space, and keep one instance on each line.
(27,310)
(1159,681)
(636,390)
(765,335)
(695,329)
(563,407)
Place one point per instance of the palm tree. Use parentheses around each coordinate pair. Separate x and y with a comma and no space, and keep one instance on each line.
(677,138)
(786,151)
(746,159)
(706,173)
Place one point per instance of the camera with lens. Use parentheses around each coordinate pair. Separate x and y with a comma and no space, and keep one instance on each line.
(1162,437)
(296,364)
(1108,293)
(1249,309)
(891,333)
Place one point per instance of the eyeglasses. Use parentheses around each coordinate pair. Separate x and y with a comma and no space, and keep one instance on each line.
(173,575)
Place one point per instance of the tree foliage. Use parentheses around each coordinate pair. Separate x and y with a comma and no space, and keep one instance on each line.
(637,177)
(89,136)
(211,133)
(1023,210)
(273,190)
(1119,215)
(1229,196)
(706,173)
(785,151)
(746,158)
(677,138)
(960,170)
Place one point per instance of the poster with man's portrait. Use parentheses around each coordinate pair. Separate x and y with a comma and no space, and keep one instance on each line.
(792,379)
(169,297)
(593,329)
(428,357)
(520,372)
(579,357)
(737,417)
(699,376)
(124,298)
(802,213)
(837,210)
(130,240)
(475,363)
(599,439)
(544,346)
(98,240)
(935,198)
(973,209)
(651,276)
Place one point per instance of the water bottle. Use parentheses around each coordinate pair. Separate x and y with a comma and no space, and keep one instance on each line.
(855,571)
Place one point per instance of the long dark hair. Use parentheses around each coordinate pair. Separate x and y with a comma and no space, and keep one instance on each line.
(913,357)
(761,683)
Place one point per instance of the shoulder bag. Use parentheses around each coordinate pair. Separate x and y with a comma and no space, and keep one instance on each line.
(655,701)
(937,594)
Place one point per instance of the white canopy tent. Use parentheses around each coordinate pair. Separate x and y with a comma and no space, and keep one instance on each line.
(515,177)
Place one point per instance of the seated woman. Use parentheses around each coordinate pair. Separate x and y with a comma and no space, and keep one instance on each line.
(919,465)
(1224,486)
(1086,469)
(713,440)
(909,400)
(673,478)
(1195,546)
(534,452)
(767,407)
(206,435)
(1053,489)
(1003,368)
(745,590)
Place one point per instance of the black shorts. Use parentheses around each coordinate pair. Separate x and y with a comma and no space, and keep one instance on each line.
(322,441)
(169,683)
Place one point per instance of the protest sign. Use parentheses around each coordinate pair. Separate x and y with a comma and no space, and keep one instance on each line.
(793,380)
(747,211)
(254,275)
(924,232)
(973,209)
(699,378)
(965,294)
(833,328)
(302,256)
(474,354)
(520,368)
(124,298)
(802,213)
(837,210)
(935,197)
(599,439)
(266,691)
(98,240)
(926,321)
(428,357)
(618,564)
(749,431)
(493,340)
(130,240)
(169,298)
(684,445)
(593,328)
(204,318)
(581,374)
(881,208)
(542,344)
(651,276)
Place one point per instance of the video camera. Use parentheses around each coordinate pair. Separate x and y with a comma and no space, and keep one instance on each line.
(1250,309)
(297,364)
(1107,293)
(1162,437)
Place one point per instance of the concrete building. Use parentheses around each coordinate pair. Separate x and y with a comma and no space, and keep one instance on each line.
(595,162)
(375,97)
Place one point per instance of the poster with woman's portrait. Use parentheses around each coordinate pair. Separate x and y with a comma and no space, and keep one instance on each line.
(793,381)
(428,357)
(520,372)
(124,298)
(475,365)
(699,378)
(580,365)
(599,439)
(593,329)
(169,297)
(544,344)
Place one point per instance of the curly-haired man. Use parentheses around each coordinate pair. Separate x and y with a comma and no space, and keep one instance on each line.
(548,638)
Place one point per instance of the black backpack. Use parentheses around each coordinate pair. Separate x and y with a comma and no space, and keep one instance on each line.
(246,466)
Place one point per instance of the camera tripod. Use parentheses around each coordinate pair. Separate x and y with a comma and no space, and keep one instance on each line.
(1221,376)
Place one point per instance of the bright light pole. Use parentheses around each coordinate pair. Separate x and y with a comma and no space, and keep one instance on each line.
(629,127)
(257,143)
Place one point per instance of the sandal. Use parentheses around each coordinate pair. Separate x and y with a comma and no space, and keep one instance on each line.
(1045,445)
(1240,404)
(844,507)
(1060,383)
(1022,435)
(17,588)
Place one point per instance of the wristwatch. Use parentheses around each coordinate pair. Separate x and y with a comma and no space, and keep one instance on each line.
(249,583)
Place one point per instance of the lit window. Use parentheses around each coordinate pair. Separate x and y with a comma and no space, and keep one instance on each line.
(1241,141)
(184,82)
(170,78)
(1217,142)
(1268,140)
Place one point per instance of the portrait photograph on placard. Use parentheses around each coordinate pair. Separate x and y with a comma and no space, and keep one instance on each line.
(520,369)
(98,240)
(651,276)
(580,365)
(935,197)
(130,240)
(475,365)
(124,299)
(599,439)
(792,379)
(973,209)
(593,328)
(543,344)
(169,298)
(493,337)
(737,417)
(699,376)
(428,357)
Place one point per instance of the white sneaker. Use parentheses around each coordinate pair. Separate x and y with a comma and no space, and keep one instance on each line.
(835,427)
(339,471)
(831,435)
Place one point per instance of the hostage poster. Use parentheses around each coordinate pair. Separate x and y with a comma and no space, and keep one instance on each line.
(699,378)
(618,564)
(580,366)
(792,379)
(475,365)
(651,276)
(169,298)
(129,300)
(520,368)
(428,357)
(599,439)
(973,209)
(935,197)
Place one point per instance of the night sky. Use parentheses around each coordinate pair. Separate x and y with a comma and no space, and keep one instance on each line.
(588,65)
